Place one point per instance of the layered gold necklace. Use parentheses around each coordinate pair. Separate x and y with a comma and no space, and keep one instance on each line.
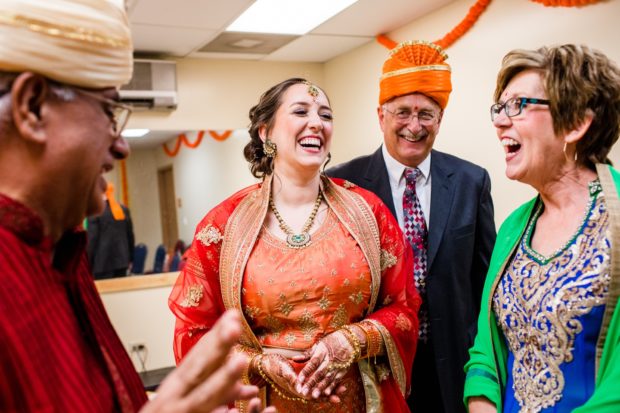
(303,239)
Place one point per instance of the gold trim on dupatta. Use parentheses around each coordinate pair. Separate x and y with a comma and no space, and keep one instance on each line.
(396,363)
(240,235)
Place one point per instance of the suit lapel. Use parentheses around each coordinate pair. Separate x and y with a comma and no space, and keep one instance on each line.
(442,192)
(378,181)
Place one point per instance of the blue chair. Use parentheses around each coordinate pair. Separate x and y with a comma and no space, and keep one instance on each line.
(160,257)
(174,262)
(139,258)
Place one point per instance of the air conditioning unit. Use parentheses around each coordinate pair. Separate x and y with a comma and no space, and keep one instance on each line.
(152,87)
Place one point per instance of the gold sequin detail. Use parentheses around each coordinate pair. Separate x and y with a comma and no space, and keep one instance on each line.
(290,339)
(348,184)
(274,325)
(307,325)
(387,300)
(209,235)
(387,260)
(193,296)
(356,298)
(403,323)
(251,312)
(284,307)
(340,317)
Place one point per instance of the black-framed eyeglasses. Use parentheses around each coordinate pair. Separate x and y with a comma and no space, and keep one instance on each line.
(119,113)
(514,106)
(425,117)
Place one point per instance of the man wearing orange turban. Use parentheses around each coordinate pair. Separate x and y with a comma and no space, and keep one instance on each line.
(444,206)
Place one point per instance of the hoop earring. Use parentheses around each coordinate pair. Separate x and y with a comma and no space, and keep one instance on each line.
(329,158)
(566,154)
(269,148)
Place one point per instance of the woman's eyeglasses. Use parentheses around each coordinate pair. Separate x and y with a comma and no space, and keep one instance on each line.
(514,106)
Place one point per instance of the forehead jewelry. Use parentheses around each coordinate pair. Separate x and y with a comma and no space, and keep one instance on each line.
(312,90)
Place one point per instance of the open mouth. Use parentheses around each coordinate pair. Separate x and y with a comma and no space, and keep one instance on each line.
(411,137)
(311,143)
(511,146)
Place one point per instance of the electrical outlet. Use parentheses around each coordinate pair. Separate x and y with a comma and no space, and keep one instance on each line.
(137,347)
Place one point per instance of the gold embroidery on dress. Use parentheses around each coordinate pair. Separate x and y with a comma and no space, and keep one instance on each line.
(403,323)
(544,304)
(387,260)
(285,307)
(193,295)
(289,338)
(357,297)
(209,235)
(340,317)
(324,303)
(346,282)
(307,325)
(274,325)
(348,184)
(251,312)
(387,300)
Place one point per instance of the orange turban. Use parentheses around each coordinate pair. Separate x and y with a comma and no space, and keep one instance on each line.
(416,67)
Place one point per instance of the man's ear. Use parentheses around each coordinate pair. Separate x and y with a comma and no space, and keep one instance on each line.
(381,115)
(28,94)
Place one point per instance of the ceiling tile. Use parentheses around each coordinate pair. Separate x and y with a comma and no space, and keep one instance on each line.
(373,17)
(228,42)
(176,41)
(315,48)
(204,14)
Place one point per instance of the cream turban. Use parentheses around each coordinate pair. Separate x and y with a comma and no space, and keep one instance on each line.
(416,67)
(84,43)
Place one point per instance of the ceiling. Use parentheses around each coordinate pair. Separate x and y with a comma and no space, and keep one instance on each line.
(195,28)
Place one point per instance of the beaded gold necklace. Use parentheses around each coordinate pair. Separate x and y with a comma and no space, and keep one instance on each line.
(303,239)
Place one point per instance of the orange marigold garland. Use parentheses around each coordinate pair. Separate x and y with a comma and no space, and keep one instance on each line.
(565,3)
(182,139)
(472,16)
(463,27)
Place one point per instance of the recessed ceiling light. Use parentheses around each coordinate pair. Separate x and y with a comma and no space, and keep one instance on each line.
(287,16)
(134,133)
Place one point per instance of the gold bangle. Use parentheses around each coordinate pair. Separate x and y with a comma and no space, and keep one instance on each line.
(355,343)
(376,341)
(272,384)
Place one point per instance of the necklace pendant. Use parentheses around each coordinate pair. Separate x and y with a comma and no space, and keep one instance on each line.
(298,241)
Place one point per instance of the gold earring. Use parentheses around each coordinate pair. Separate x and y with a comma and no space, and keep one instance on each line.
(269,148)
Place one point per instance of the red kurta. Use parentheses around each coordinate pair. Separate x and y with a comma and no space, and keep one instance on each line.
(58,349)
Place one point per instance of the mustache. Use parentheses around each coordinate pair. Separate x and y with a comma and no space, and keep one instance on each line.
(412,137)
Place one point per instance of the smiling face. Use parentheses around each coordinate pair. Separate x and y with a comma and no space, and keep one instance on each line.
(409,141)
(302,130)
(86,147)
(534,154)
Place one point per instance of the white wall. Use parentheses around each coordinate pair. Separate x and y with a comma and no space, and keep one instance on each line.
(143,317)
(352,80)
(206,175)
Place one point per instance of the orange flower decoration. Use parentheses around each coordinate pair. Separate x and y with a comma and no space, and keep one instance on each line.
(565,3)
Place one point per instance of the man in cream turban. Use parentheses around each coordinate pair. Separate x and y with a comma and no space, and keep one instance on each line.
(61,62)
(443,204)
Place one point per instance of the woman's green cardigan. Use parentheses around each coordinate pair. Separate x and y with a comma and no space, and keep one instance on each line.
(486,368)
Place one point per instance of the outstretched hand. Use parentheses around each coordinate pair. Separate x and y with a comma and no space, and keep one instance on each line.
(206,380)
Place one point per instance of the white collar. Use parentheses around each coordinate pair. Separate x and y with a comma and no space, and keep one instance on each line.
(396,170)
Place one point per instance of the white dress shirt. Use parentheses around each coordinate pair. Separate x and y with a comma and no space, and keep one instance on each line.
(396,173)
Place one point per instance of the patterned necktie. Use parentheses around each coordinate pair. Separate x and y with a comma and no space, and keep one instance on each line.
(417,235)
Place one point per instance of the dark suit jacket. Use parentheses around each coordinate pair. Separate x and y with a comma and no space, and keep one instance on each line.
(110,243)
(460,241)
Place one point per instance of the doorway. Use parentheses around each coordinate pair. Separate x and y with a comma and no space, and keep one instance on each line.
(167,205)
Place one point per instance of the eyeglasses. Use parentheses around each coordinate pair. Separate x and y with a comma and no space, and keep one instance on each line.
(425,117)
(514,106)
(118,113)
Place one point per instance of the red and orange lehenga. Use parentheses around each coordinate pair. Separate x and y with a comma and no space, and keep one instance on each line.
(357,267)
